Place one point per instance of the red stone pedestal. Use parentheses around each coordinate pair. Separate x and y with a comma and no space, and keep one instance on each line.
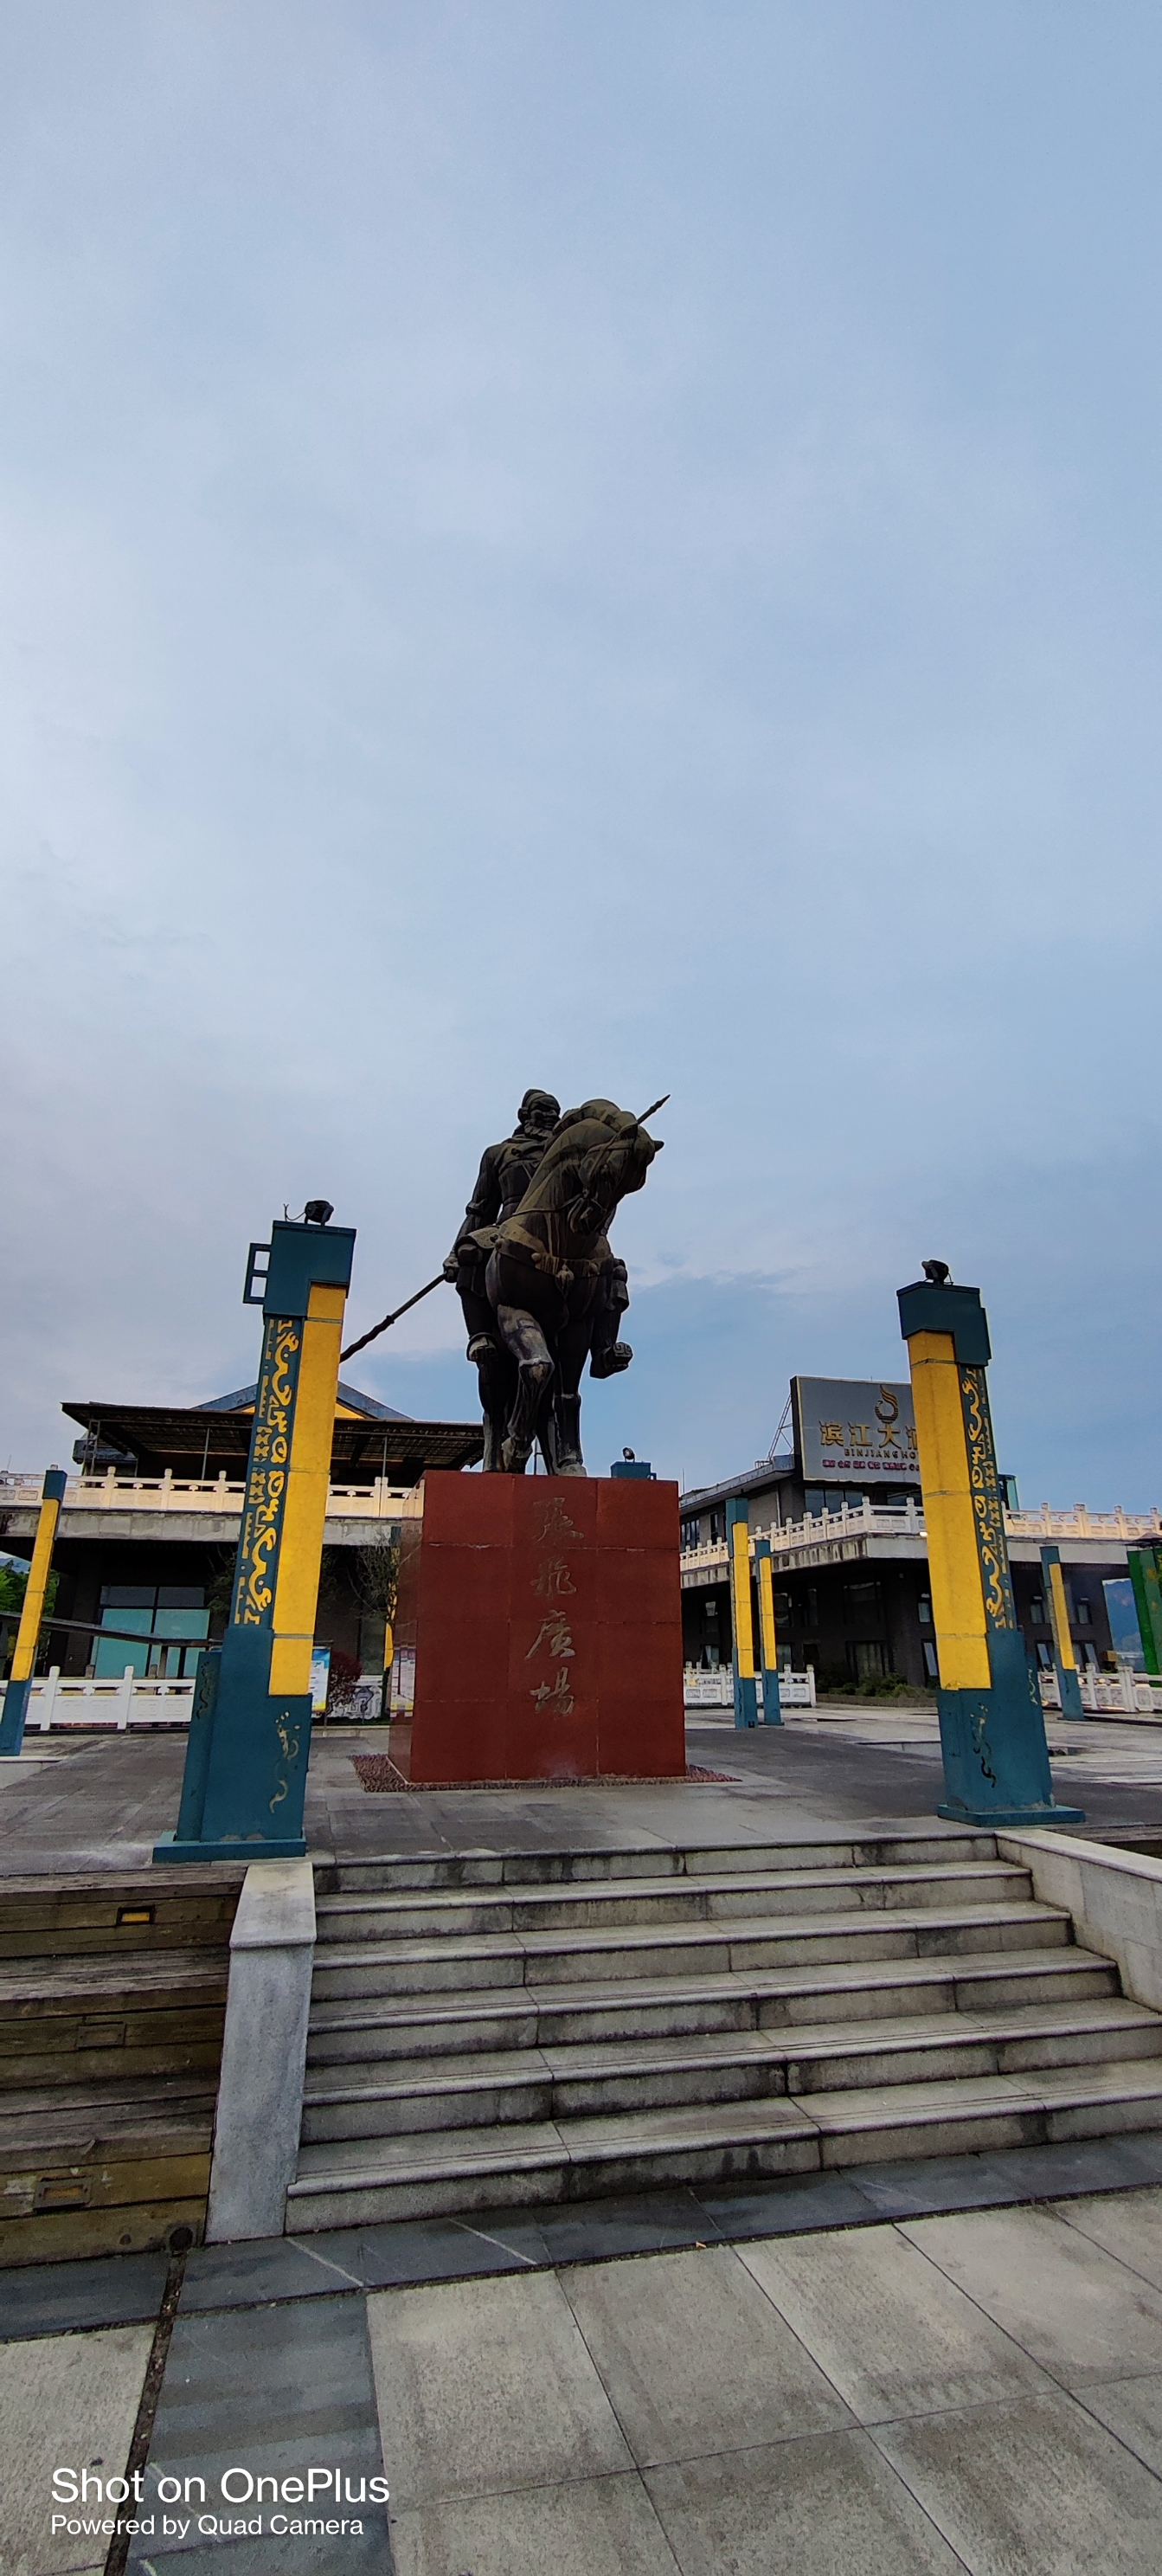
(545,1614)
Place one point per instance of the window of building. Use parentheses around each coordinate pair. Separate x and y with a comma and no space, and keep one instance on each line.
(925,1610)
(1037,1610)
(690,1531)
(863,1597)
(1082,1613)
(169,1610)
(717,1525)
(1044,1654)
(1087,1655)
(782,1609)
(867,1659)
(931,1667)
(812,1605)
(812,1501)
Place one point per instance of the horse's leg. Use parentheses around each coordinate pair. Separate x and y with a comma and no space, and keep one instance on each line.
(522,1335)
(572,1351)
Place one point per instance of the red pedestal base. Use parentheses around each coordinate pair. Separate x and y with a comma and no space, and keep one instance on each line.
(545,1614)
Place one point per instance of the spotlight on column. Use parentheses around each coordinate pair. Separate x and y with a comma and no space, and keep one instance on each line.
(318,1212)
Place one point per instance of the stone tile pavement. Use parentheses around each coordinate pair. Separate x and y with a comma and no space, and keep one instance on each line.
(979,2388)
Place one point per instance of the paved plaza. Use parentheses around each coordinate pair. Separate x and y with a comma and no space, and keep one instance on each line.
(101,1801)
(976,2391)
(952,2363)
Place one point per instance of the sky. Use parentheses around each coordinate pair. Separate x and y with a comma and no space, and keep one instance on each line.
(613,548)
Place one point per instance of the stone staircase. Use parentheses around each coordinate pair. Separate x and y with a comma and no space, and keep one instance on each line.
(496,2029)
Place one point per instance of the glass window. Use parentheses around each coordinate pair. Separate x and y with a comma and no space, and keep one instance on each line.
(1082,1612)
(151,1613)
(867,1658)
(925,1609)
(812,1501)
(931,1667)
(1044,1655)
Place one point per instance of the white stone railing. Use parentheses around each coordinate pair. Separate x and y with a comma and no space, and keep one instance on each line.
(120,1704)
(715,1689)
(375,1500)
(906,1520)
(1121,1694)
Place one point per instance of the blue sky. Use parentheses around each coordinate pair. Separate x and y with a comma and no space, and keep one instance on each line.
(615,548)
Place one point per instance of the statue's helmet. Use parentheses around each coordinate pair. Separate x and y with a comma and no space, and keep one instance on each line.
(544,1107)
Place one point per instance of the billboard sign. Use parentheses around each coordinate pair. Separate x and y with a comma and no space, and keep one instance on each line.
(855,1431)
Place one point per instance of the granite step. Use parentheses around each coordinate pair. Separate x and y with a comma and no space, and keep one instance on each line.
(360,2182)
(720,1896)
(348,2032)
(499,1959)
(566,1866)
(487,2088)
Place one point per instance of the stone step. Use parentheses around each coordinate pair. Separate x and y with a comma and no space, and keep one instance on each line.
(500,1959)
(352,2032)
(488,2088)
(500,1868)
(603,1904)
(362,2182)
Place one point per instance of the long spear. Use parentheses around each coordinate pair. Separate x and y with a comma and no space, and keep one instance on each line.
(377,1329)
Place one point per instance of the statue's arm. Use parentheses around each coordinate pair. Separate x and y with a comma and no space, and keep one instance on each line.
(484,1205)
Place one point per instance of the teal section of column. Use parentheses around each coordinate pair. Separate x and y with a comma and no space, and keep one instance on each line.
(244,1783)
(746,1707)
(768,1643)
(1068,1684)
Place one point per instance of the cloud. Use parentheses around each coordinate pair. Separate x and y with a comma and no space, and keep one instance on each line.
(614,552)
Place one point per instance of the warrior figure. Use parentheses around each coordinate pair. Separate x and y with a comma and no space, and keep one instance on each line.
(530,1336)
(505,1172)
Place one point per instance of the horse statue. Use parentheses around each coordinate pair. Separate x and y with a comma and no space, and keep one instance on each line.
(543,1292)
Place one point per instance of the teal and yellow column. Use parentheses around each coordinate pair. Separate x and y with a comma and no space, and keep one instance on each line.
(32,1612)
(992,1730)
(1053,1583)
(746,1711)
(768,1640)
(250,1727)
(1144,1567)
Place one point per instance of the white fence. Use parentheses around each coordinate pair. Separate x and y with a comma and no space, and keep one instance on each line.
(906,1520)
(1121,1694)
(716,1689)
(129,1702)
(375,1500)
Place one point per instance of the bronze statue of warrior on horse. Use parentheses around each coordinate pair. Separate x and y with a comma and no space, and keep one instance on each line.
(541,1290)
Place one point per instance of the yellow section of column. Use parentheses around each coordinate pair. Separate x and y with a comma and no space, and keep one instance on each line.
(767,1615)
(740,1598)
(1060,1612)
(32,1608)
(953,1562)
(296,1591)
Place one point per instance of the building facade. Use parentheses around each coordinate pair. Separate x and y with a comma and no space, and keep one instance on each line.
(842,1509)
(149,1528)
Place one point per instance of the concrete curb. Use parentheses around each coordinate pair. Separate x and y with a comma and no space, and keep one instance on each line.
(1114,1896)
(264,2052)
